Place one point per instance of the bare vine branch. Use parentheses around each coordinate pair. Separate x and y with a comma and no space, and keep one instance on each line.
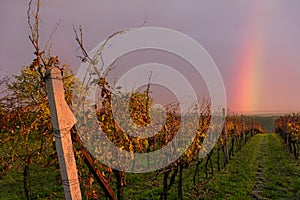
(50,37)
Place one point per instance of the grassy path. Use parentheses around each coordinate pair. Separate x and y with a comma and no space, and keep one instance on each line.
(262,170)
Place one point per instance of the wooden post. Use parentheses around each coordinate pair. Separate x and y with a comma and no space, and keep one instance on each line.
(63,120)
(224,135)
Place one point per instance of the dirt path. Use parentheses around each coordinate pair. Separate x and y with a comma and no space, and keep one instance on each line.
(259,172)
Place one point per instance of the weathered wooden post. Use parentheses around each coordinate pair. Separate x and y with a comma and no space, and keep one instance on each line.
(63,120)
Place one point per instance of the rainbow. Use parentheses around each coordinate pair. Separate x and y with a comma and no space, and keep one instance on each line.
(247,78)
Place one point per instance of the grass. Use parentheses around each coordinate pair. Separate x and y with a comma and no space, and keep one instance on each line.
(261,170)
(281,172)
(43,182)
(237,179)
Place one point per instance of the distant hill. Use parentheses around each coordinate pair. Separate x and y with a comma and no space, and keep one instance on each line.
(266,121)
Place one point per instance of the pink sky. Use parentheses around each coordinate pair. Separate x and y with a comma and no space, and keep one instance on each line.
(255,44)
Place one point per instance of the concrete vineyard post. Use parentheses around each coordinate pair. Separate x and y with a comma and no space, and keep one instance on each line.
(63,120)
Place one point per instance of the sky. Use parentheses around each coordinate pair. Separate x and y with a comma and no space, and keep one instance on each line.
(255,44)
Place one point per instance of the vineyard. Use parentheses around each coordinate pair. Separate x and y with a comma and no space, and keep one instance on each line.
(28,155)
(288,127)
(243,160)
